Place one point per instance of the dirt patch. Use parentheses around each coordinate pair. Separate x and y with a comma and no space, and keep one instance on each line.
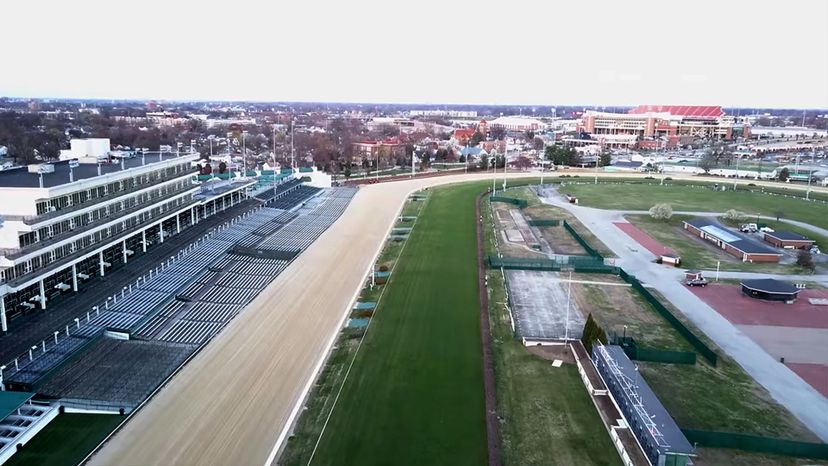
(615,307)
(553,352)
(514,237)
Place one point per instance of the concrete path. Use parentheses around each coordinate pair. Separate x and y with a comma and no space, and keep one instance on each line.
(787,388)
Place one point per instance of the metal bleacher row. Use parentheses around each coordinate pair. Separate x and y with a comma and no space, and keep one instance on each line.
(293,198)
(321,213)
(180,307)
(126,310)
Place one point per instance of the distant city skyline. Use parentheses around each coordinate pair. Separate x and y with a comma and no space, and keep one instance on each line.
(733,54)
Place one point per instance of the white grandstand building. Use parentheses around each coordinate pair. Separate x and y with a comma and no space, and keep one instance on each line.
(63,223)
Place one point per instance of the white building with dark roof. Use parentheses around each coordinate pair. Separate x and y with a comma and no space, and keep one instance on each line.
(65,222)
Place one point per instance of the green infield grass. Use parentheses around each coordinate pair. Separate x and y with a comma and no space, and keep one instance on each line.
(66,440)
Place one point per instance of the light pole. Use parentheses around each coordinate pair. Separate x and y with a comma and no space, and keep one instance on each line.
(244,151)
(505,162)
(568,301)
(494,172)
(541,167)
(292,153)
(210,138)
(598,160)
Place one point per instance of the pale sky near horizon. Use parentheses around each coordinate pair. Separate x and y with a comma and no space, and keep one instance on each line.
(705,52)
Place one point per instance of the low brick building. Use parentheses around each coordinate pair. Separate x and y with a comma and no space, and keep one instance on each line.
(736,244)
(788,240)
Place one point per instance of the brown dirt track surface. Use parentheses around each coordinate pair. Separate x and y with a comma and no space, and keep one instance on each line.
(230,404)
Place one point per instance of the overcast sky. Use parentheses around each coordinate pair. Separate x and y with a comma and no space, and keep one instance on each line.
(730,53)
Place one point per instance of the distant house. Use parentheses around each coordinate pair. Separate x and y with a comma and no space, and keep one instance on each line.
(737,244)
(472,152)
(463,135)
(386,150)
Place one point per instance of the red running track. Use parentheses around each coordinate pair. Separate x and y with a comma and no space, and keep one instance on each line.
(644,239)
(815,374)
(739,309)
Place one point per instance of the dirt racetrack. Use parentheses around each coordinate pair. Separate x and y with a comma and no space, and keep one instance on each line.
(234,402)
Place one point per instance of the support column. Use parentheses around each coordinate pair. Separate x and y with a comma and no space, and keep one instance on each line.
(193,218)
(124,251)
(4,325)
(144,239)
(177,224)
(42,295)
(161,231)
(101,263)
(74,278)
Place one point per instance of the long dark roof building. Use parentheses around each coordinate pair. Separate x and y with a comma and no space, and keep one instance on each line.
(746,248)
(661,439)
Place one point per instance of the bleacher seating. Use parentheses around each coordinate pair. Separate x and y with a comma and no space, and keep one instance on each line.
(213,280)
(120,370)
(293,198)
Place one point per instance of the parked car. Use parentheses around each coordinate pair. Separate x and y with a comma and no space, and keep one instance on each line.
(701,281)
(748,228)
(766,230)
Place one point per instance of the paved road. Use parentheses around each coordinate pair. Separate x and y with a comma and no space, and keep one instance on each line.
(805,402)
(234,402)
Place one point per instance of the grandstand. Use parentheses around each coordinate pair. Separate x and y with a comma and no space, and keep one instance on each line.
(122,370)
(174,311)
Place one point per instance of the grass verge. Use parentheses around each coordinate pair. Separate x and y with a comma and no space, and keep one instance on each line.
(547,416)
(696,255)
(321,400)
(415,392)
(703,199)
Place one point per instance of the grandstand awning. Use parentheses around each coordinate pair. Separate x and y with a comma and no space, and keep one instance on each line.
(10,401)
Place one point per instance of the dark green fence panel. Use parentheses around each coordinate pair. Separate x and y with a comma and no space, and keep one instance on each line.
(700,346)
(544,223)
(654,355)
(592,252)
(575,263)
(510,200)
(757,444)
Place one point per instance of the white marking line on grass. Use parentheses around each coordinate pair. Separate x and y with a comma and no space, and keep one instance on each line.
(373,316)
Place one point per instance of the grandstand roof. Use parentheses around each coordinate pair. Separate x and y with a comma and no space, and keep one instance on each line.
(10,401)
(711,112)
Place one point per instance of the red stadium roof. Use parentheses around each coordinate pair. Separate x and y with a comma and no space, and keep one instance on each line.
(691,111)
